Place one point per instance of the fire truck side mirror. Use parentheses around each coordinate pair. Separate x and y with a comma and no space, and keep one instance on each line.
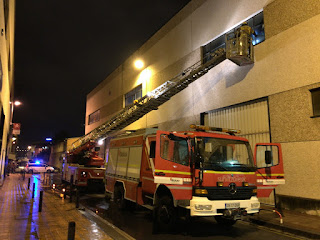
(268,157)
(152,153)
(197,160)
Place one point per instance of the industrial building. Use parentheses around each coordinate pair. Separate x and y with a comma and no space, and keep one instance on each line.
(276,99)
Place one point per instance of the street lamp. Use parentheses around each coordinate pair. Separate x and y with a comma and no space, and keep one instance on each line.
(15,103)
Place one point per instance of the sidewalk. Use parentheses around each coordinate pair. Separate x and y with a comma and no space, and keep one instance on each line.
(293,222)
(20,219)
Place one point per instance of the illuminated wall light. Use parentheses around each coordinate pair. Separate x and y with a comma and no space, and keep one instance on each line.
(100,142)
(144,76)
(138,64)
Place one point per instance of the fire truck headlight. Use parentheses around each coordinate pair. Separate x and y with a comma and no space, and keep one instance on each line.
(255,205)
(83,174)
(200,191)
(202,207)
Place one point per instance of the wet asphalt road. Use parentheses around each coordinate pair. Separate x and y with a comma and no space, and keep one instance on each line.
(137,222)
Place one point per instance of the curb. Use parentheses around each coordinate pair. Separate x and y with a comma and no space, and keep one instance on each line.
(287,229)
(113,231)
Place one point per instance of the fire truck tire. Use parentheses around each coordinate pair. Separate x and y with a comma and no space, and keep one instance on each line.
(118,197)
(165,215)
(224,221)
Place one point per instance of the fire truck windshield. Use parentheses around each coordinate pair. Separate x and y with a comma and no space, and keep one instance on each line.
(224,154)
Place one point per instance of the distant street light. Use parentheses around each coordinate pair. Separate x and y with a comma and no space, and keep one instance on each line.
(48,139)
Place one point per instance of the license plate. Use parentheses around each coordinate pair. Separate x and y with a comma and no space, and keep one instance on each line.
(233,205)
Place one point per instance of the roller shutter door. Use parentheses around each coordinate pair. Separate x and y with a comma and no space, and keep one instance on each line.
(251,118)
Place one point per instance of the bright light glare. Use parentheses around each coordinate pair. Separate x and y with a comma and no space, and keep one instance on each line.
(139,64)
(14,138)
(144,76)
(29,147)
(17,103)
(100,142)
(37,162)
(48,139)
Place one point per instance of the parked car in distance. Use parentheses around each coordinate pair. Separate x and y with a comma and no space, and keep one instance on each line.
(19,169)
(21,166)
(38,168)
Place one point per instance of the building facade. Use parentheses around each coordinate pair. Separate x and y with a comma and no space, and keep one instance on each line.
(7,27)
(58,152)
(276,99)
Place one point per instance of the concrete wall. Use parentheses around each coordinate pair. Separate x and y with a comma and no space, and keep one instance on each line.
(56,155)
(285,68)
(7,60)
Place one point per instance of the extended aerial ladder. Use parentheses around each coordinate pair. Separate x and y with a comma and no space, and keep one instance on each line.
(238,49)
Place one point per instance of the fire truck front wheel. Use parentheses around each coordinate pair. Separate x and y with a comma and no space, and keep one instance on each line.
(165,215)
(118,197)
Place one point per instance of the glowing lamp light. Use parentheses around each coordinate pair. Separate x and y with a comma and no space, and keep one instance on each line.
(17,103)
(100,142)
(144,76)
(29,147)
(48,139)
(138,64)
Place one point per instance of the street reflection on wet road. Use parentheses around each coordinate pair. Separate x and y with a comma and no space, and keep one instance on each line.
(137,222)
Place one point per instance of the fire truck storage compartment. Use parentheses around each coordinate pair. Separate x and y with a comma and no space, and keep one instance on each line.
(125,162)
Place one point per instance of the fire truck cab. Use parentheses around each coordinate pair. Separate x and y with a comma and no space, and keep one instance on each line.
(203,173)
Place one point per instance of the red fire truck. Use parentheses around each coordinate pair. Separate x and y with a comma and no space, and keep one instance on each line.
(201,173)
(83,168)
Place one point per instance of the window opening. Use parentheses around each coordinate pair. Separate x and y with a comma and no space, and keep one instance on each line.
(257,24)
(94,117)
(134,94)
(315,95)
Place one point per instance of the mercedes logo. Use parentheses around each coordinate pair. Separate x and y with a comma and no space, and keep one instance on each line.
(232,188)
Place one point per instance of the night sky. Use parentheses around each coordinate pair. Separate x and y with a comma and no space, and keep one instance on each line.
(63,49)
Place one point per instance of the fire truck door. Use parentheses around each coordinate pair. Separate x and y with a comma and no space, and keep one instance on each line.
(172,162)
(268,159)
